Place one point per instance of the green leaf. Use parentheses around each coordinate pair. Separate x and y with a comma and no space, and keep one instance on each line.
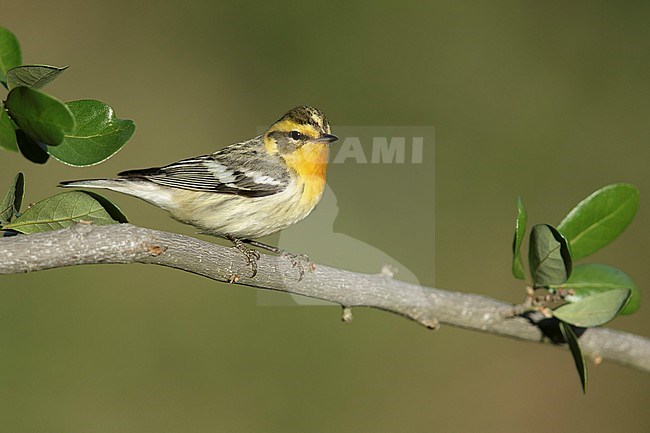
(59,211)
(520,230)
(590,279)
(600,218)
(10,55)
(30,149)
(43,118)
(7,132)
(548,256)
(34,76)
(10,205)
(98,135)
(594,310)
(113,210)
(572,340)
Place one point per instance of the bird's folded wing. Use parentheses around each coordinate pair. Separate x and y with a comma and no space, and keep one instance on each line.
(228,173)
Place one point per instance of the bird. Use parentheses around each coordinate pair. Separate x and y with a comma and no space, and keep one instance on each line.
(246,190)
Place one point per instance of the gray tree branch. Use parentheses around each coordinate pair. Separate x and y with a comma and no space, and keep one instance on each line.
(125,243)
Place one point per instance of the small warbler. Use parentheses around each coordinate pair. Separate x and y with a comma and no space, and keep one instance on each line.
(244,191)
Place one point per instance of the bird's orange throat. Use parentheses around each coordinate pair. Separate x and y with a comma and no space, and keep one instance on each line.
(310,163)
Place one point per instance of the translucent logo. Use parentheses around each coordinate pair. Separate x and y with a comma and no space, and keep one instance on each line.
(388,153)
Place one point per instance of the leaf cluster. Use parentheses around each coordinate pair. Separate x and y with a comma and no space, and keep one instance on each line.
(588,294)
(78,133)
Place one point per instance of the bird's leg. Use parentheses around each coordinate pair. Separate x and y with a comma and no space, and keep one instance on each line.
(251,255)
(295,259)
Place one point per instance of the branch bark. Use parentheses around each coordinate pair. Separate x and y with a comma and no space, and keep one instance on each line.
(125,243)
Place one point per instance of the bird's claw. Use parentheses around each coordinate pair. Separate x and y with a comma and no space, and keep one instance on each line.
(296,262)
(252,256)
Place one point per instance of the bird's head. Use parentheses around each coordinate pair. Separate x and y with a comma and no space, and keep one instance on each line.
(301,128)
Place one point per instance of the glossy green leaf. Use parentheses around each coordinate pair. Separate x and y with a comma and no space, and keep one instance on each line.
(10,55)
(34,76)
(520,231)
(59,211)
(548,256)
(7,132)
(589,279)
(10,205)
(43,118)
(600,218)
(97,136)
(572,340)
(30,149)
(594,310)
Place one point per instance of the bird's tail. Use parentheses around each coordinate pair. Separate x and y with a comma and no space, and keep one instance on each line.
(141,188)
(112,184)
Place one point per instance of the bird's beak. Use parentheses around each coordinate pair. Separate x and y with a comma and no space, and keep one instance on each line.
(327,138)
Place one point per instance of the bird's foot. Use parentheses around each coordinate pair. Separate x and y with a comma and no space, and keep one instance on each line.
(252,256)
(297,260)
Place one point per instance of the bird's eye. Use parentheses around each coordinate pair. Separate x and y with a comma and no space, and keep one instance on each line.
(295,135)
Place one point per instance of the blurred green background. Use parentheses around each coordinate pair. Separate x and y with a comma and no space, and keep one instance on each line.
(548,100)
